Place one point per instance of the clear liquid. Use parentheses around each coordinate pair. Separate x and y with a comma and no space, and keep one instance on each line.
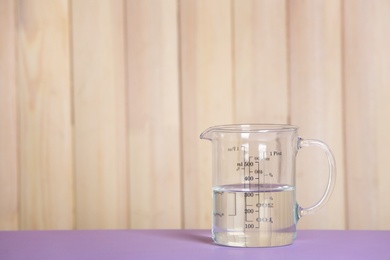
(254,215)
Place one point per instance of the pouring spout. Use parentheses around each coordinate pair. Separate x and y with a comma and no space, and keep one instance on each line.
(218,131)
(215,132)
(207,134)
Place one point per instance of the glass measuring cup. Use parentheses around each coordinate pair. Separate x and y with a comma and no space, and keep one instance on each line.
(253,172)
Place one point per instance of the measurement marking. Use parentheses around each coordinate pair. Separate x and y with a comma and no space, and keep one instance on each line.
(246,208)
(244,152)
(268,210)
(258,191)
(249,172)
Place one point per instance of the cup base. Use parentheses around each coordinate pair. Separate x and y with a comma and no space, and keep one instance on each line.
(254,239)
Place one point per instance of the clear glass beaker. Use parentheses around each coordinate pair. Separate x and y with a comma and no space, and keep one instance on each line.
(253,171)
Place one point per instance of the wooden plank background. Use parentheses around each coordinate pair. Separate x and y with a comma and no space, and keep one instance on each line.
(99,107)
(9,197)
(102,104)
(43,84)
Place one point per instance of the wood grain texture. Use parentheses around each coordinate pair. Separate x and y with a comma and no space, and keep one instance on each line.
(153,114)
(8,120)
(316,104)
(102,104)
(100,114)
(207,97)
(260,62)
(43,80)
(367,92)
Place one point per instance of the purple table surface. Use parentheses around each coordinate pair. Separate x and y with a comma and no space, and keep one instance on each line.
(186,244)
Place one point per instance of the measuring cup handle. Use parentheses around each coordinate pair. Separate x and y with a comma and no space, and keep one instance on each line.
(332,175)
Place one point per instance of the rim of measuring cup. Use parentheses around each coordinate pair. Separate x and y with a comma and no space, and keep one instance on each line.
(251,128)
